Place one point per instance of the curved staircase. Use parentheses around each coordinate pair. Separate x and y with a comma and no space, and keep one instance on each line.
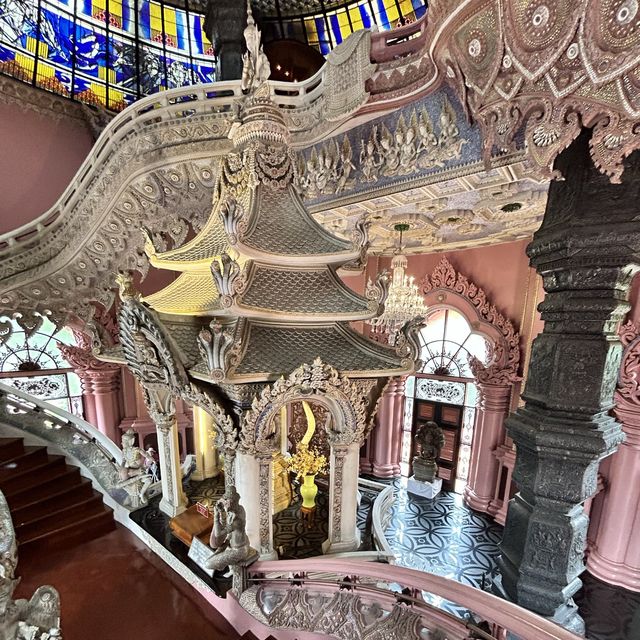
(51,504)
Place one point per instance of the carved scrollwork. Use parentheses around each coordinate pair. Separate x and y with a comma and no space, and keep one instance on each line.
(233,219)
(344,398)
(229,278)
(407,344)
(377,291)
(552,67)
(629,377)
(218,348)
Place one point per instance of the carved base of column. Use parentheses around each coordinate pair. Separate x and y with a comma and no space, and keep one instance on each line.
(566,616)
(385,470)
(170,509)
(616,573)
(343,546)
(476,502)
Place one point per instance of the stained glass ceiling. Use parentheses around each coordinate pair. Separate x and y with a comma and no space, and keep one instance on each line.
(110,53)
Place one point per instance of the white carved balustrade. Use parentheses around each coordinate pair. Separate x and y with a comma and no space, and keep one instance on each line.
(328,593)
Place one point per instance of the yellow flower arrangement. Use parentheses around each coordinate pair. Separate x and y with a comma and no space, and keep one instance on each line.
(307,462)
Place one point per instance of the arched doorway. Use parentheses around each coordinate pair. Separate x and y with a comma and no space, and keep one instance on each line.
(444,391)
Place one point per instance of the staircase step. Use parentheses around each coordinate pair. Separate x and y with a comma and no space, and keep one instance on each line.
(84,527)
(10,448)
(19,481)
(30,458)
(22,497)
(53,501)
(79,511)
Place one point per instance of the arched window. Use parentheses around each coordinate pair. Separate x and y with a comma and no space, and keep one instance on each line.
(446,344)
(444,390)
(31,361)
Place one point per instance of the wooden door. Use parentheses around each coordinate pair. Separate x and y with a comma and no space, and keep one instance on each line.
(449,419)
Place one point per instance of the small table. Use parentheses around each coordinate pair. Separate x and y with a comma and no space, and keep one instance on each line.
(308,516)
(191,523)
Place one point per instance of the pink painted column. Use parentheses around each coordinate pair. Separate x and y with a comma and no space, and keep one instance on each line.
(488,435)
(615,555)
(505,454)
(106,385)
(100,386)
(388,432)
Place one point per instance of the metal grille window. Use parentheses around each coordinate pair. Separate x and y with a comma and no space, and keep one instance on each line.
(30,361)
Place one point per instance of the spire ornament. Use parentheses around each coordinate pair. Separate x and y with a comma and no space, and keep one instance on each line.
(255,65)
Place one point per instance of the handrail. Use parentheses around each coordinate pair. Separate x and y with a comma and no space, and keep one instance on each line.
(399,42)
(505,614)
(17,398)
(180,103)
(82,442)
(382,594)
(380,519)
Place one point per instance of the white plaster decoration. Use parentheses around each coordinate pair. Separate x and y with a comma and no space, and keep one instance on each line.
(440,391)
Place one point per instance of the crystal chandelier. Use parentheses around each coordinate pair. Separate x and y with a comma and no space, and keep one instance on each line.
(404,301)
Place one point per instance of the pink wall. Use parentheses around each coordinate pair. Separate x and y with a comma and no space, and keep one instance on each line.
(502,270)
(40,157)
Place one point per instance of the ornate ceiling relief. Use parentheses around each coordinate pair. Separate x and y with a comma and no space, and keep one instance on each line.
(549,68)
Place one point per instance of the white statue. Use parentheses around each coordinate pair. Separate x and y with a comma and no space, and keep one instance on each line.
(229,538)
(255,65)
(138,470)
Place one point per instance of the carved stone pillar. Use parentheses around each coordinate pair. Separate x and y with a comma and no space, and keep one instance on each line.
(100,385)
(253,483)
(205,450)
(161,408)
(585,251)
(224,25)
(488,434)
(615,556)
(388,432)
(343,500)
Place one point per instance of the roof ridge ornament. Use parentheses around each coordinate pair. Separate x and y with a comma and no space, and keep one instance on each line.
(255,68)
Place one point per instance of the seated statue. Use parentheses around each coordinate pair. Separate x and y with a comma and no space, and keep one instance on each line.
(429,441)
(229,538)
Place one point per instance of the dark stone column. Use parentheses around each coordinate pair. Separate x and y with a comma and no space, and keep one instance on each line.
(586,251)
(224,25)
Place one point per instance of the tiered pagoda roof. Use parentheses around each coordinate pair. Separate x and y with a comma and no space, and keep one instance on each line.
(258,293)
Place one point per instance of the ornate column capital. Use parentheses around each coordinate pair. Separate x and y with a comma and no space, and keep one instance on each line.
(83,360)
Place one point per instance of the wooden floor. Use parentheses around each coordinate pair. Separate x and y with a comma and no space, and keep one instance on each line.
(115,588)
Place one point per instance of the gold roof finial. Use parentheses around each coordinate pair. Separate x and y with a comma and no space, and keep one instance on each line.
(127,289)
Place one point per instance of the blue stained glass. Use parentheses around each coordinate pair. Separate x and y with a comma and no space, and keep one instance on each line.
(382,13)
(420,8)
(145,19)
(335,28)
(182,30)
(196,31)
(366,16)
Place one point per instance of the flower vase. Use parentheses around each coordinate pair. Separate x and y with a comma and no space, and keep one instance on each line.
(309,491)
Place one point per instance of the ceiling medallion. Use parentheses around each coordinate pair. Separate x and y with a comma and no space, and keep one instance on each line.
(404,300)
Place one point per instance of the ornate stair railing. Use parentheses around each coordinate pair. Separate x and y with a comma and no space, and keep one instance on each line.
(75,437)
(360,600)
(36,618)
(380,518)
